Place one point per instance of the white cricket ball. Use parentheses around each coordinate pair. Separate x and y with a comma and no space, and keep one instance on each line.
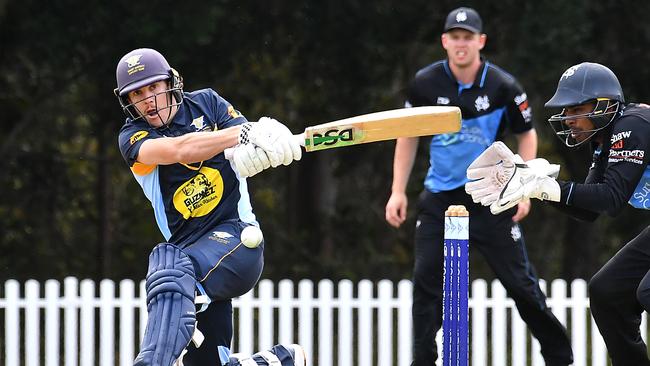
(251,236)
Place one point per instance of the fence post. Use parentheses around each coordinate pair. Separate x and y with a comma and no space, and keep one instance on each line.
(325,336)
(345,326)
(365,341)
(579,322)
(306,317)
(285,322)
(245,334)
(52,336)
(32,323)
(70,322)
(88,330)
(265,323)
(127,321)
(499,331)
(478,305)
(12,319)
(385,323)
(106,323)
(404,323)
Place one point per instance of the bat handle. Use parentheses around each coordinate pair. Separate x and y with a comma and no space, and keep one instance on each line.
(228,152)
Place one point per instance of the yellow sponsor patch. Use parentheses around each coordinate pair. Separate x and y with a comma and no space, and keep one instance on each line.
(232,112)
(200,195)
(137,136)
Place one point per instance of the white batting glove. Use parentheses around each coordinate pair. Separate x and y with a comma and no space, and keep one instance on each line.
(286,145)
(249,160)
(274,138)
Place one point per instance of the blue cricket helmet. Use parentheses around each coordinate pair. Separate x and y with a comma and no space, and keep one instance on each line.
(141,67)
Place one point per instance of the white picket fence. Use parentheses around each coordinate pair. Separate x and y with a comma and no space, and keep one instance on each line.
(342,324)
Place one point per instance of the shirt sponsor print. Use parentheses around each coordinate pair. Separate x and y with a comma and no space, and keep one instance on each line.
(630,156)
(137,136)
(522,103)
(641,196)
(200,195)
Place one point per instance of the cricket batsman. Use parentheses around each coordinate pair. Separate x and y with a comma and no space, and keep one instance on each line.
(173,142)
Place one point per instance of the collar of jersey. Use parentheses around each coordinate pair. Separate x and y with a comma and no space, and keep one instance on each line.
(478,82)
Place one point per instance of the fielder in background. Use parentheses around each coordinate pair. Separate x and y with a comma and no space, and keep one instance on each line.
(173,141)
(594,113)
(492,102)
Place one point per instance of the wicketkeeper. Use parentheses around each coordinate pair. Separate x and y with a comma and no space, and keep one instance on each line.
(594,113)
(173,141)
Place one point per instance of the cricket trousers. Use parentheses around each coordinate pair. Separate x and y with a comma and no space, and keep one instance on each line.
(501,243)
(619,293)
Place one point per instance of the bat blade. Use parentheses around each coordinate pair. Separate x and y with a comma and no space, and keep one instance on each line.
(381,126)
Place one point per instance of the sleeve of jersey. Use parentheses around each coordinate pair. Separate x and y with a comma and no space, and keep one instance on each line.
(130,140)
(627,160)
(225,114)
(519,112)
(413,96)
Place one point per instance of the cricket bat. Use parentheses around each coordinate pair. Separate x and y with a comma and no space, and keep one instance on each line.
(380,126)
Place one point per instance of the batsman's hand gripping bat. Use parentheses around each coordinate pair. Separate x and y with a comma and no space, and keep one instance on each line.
(379,126)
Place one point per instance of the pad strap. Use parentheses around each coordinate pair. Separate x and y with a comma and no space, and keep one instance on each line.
(170,288)
(239,359)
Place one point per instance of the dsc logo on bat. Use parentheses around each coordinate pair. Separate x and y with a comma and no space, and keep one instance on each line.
(333,136)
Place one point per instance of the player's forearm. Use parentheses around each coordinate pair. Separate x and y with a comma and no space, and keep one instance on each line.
(527,145)
(405,151)
(190,148)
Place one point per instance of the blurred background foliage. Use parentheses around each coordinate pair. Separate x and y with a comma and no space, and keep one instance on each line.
(69,205)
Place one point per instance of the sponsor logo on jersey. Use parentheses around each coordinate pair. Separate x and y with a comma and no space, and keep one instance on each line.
(620,136)
(138,136)
(522,103)
(482,103)
(198,123)
(199,195)
(443,100)
(641,197)
(630,156)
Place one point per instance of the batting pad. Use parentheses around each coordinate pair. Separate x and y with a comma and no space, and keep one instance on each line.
(170,303)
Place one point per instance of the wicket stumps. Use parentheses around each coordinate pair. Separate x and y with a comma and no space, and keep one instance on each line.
(455,313)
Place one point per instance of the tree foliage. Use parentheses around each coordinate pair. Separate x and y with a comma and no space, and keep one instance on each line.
(71,207)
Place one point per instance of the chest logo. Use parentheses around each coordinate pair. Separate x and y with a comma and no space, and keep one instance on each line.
(443,101)
(200,195)
(198,123)
(482,103)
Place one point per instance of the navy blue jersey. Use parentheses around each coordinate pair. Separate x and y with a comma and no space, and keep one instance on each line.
(494,103)
(619,173)
(189,199)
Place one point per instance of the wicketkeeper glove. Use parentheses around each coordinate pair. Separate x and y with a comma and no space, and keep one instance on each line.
(502,179)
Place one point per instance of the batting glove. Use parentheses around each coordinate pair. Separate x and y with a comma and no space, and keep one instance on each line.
(274,138)
(249,160)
